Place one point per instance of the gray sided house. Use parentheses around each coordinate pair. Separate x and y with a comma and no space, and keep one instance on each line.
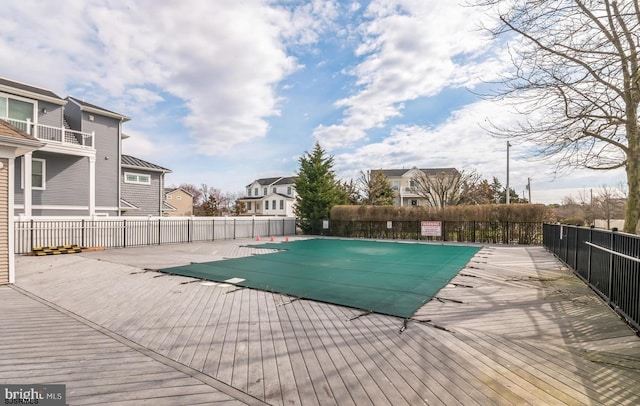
(76,171)
(142,187)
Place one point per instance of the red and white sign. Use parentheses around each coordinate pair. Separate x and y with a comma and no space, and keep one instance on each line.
(431,228)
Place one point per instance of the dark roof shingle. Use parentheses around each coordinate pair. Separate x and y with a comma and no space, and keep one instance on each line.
(130,161)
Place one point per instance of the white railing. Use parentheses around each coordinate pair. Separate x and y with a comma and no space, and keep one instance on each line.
(112,232)
(59,135)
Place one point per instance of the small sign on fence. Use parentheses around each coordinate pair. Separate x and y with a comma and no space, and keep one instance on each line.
(389,225)
(431,228)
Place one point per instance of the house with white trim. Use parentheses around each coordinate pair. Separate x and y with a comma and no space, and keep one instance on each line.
(404,185)
(79,170)
(13,144)
(270,197)
(142,192)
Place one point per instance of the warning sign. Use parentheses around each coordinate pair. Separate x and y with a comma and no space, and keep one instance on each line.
(431,228)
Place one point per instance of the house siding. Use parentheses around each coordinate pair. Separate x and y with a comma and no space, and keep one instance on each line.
(184,205)
(145,197)
(107,144)
(4,221)
(54,114)
(66,180)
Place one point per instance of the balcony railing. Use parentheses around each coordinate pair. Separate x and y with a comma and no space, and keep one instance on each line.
(57,135)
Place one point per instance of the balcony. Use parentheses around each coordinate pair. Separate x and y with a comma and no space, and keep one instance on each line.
(55,135)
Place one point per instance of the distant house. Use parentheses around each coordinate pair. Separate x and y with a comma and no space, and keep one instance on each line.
(270,197)
(404,186)
(178,202)
(76,171)
(142,187)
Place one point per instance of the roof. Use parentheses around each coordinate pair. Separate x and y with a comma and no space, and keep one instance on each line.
(9,130)
(401,172)
(16,138)
(280,180)
(133,162)
(171,190)
(34,92)
(92,108)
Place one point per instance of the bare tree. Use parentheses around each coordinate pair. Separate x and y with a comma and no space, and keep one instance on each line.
(376,188)
(445,188)
(577,80)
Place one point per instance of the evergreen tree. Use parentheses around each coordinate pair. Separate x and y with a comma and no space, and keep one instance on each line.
(317,189)
(376,188)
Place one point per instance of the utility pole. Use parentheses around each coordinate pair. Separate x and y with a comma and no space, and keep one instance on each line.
(529,188)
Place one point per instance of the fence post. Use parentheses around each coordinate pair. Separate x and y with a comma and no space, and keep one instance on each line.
(31,235)
(474,232)
(253,226)
(589,255)
(124,233)
(213,229)
(613,236)
(234,228)
(159,232)
(188,230)
(444,230)
(268,227)
(82,233)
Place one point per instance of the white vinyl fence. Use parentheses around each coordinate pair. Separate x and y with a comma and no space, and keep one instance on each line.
(111,232)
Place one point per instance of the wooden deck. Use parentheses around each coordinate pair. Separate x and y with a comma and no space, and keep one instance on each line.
(514,327)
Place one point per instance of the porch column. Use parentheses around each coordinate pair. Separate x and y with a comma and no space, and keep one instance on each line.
(92,185)
(27,183)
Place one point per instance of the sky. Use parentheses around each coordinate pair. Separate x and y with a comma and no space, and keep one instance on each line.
(228,91)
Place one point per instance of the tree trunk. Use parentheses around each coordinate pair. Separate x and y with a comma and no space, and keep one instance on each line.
(632,214)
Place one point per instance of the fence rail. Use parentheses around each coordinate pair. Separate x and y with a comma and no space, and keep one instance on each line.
(135,232)
(493,232)
(608,261)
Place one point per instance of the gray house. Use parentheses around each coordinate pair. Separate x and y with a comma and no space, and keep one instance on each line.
(77,171)
(142,187)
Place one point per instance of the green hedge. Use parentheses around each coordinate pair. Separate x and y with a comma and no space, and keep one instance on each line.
(481,213)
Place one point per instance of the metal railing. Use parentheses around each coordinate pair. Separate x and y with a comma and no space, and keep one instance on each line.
(608,261)
(134,232)
(493,232)
(59,135)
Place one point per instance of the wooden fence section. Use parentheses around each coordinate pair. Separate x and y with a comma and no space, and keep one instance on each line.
(608,261)
(134,232)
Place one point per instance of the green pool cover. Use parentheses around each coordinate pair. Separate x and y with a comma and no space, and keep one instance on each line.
(384,277)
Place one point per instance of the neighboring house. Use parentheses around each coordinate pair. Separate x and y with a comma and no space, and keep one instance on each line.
(77,170)
(404,186)
(270,197)
(142,187)
(13,143)
(178,202)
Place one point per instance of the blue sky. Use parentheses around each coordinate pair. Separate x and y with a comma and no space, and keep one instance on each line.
(223,92)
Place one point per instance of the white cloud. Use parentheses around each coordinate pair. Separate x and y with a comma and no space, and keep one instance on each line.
(411,49)
(223,58)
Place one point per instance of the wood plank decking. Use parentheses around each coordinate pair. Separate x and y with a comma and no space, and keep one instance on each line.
(514,327)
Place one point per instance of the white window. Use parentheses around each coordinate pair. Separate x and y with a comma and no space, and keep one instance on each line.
(265,191)
(178,197)
(275,190)
(38,173)
(395,184)
(289,191)
(281,204)
(17,111)
(249,192)
(249,206)
(169,197)
(273,204)
(266,205)
(137,178)
(256,191)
